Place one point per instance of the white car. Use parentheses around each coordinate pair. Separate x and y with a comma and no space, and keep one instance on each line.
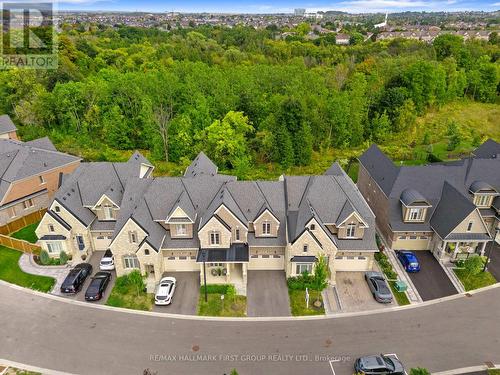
(165,291)
(107,262)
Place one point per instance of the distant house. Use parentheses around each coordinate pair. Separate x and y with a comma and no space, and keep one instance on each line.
(7,128)
(342,39)
(448,208)
(29,175)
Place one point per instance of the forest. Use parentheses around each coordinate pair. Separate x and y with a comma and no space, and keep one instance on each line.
(246,97)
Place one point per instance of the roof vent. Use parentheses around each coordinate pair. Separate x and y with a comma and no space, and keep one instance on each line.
(64,198)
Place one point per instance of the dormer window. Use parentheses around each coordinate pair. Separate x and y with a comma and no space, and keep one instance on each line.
(132,237)
(108,212)
(481,200)
(416,214)
(181,229)
(351,230)
(266,228)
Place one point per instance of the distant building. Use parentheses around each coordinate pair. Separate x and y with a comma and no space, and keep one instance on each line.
(7,128)
(299,12)
(383,24)
(342,39)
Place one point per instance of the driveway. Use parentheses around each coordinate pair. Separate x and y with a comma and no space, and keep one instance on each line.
(431,281)
(267,294)
(494,265)
(354,293)
(94,260)
(186,294)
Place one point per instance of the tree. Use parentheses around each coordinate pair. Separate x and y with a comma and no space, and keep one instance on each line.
(226,140)
(472,266)
(381,126)
(44,257)
(63,257)
(447,45)
(453,135)
(356,38)
(321,274)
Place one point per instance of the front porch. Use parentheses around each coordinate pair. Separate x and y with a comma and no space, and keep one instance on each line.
(461,249)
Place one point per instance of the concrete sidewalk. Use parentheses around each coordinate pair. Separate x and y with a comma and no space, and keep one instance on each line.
(28,265)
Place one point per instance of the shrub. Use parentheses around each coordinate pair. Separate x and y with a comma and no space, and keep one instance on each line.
(431,158)
(63,258)
(473,265)
(300,282)
(419,371)
(44,257)
(218,289)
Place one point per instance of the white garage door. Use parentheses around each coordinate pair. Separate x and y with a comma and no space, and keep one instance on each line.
(266,262)
(348,263)
(178,264)
(102,242)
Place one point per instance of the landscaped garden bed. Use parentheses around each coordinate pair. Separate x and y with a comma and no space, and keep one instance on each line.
(27,233)
(44,260)
(10,272)
(129,292)
(298,303)
(230,305)
(471,275)
(391,275)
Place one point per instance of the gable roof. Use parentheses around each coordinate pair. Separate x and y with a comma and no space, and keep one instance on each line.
(6,124)
(380,167)
(488,150)
(452,209)
(201,165)
(44,143)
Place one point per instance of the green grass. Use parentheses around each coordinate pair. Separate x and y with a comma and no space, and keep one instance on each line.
(10,272)
(494,372)
(298,303)
(401,297)
(230,306)
(127,293)
(27,233)
(480,280)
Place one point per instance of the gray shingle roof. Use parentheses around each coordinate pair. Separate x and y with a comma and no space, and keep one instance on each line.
(19,160)
(489,149)
(478,186)
(44,143)
(380,167)
(452,209)
(6,124)
(201,165)
(411,196)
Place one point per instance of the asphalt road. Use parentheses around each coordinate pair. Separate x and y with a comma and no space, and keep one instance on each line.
(431,281)
(84,339)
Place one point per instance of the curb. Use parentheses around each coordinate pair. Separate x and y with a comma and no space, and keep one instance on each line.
(466,370)
(249,319)
(22,366)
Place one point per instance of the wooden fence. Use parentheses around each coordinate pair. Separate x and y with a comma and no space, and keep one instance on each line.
(20,245)
(15,225)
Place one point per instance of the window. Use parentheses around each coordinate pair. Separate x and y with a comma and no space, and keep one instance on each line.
(469,226)
(215,265)
(402,238)
(130,261)
(254,256)
(266,227)
(237,234)
(132,236)
(12,212)
(305,248)
(423,237)
(146,251)
(28,203)
(303,267)
(54,247)
(183,258)
(108,213)
(413,237)
(51,228)
(214,238)
(416,214)
(351,230)
(276,256)
(42,180)
(483,200)
(265,255)
(313,226)
(181,229)
(57,208)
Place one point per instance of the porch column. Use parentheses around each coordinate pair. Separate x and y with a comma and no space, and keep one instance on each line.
(457,244)
(228,273)
(483,248)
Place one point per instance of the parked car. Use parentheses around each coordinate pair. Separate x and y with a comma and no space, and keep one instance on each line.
(378,286)
(379,364)
(76,277)
(107,262)
(97,286)
(409,260)
(165,291)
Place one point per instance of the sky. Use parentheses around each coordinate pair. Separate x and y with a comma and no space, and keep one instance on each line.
(279,6)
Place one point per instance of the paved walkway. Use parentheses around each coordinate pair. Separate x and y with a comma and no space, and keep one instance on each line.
(28,265)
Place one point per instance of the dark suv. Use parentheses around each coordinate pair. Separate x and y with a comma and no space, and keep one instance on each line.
(76,277)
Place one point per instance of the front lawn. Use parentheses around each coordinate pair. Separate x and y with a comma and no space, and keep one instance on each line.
(391,276)
(129,293)
(27,233)
(472,282)
(298,303)
(231,305)
(10,272)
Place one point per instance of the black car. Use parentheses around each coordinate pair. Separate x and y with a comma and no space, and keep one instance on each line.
(97,286)
(76,277)
(379,364)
